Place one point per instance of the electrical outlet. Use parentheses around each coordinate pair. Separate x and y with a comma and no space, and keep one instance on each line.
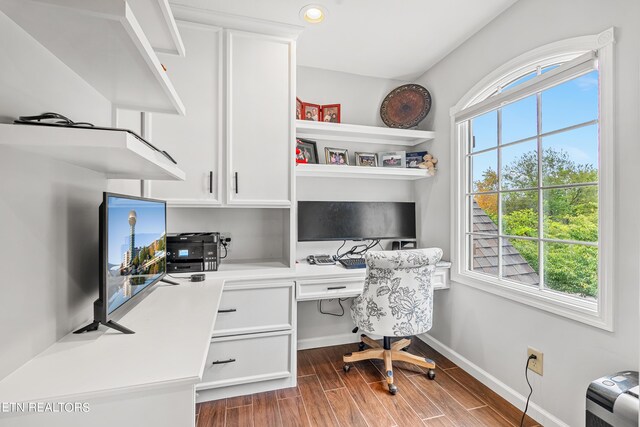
(535,364)
(226,235)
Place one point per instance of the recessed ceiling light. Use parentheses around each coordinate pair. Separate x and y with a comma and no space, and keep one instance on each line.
(313,13)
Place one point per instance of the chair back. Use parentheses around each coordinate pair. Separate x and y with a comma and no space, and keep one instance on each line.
(397,299)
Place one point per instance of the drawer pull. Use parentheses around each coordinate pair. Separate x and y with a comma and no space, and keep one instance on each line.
(222,362)
(228,310)
(332,288)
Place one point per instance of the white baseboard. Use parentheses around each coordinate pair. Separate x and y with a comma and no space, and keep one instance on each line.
(536,412)
(326,341)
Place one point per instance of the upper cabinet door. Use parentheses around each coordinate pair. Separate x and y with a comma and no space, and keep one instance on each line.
(260,100)
(194,140)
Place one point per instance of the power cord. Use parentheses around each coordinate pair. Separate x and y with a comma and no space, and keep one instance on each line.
(526,376)
(333,314)
(224,243)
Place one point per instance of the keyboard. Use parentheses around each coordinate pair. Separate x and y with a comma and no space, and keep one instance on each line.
(353,263)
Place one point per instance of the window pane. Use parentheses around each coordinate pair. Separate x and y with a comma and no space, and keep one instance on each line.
(484,255)
(520,261)
(520,165)
(549,68)
(520,213)
(570,157)
(483,171)
(520,80)
(485,131)
(570,103)
(520,120)
(484,214)
(571,269)
(571,213)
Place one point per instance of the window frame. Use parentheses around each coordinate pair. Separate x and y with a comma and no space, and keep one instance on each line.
(598,314)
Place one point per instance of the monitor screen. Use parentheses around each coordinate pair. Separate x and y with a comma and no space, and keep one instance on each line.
(356,220)
(135,236)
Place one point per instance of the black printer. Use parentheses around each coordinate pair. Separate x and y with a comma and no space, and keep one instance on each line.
(192,252)
(612,400)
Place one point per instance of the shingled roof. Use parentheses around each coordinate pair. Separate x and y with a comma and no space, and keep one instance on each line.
(485,252)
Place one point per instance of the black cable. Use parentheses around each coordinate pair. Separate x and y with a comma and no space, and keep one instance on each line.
(526,376)
(329,313)
(224,246)
(344,242)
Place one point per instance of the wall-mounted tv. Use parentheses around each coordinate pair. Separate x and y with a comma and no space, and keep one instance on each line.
(132,255)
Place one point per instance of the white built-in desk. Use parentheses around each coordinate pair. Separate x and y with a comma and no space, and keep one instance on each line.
(144,379)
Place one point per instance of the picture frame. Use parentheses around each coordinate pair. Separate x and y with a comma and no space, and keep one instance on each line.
(312,112)
(298,109)
(336,156)
(392,159)
(331,113)
(415,158)
(366,159)
(308,150)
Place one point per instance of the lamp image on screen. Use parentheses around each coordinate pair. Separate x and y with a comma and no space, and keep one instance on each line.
(136,248)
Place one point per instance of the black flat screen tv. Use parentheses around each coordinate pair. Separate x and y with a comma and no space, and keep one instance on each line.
(318,221)
(132,255)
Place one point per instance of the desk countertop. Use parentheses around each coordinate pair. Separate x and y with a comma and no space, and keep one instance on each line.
(173,327)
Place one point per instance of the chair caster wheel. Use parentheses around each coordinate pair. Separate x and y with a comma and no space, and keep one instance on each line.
(361,346)
(346,368)
(393,389)
(431,374)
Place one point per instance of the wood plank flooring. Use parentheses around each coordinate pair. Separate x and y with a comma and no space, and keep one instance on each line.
(326,396)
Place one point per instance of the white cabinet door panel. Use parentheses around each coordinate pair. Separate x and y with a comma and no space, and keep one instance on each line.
(259,119)
(193,140)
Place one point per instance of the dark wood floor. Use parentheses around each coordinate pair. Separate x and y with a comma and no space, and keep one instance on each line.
(326,396)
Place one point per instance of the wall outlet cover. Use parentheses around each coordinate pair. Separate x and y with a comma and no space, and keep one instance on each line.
(536,364)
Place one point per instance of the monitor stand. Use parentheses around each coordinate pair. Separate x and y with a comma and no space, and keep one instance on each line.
(110,324)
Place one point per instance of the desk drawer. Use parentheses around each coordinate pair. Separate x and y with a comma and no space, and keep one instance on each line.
(247,358)
(249,308)
(328,288)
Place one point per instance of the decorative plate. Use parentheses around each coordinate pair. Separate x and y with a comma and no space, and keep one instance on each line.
(405,106)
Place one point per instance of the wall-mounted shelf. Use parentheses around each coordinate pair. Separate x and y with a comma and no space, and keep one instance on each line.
(103,42)
(358,133)
(117,154)
(335,171)
(157,22)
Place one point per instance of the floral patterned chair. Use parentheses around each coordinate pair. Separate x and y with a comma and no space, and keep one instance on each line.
(397,301)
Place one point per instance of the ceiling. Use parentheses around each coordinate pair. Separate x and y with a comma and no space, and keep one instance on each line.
(398,39)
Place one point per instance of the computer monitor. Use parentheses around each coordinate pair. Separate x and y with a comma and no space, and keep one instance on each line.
(320,221)
(132,255)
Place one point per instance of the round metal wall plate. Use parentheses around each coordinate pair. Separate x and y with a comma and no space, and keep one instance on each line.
(405,106)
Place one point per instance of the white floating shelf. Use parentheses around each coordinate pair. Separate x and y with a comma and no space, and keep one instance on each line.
(343,171)
(103,42)
(117,154)
(157,22)
(358,133)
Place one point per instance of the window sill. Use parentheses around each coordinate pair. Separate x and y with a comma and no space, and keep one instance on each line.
(585,312)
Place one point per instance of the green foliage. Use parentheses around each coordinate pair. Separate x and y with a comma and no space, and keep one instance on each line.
(569,214)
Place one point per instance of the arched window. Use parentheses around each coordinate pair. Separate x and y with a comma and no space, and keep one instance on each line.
(533,177)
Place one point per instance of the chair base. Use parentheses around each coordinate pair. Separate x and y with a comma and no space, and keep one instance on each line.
(388,353)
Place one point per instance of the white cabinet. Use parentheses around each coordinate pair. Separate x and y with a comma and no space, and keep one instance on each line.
(195,139)
(260,120)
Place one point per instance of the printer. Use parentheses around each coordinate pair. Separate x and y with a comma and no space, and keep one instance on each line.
(193,252)
(613,401)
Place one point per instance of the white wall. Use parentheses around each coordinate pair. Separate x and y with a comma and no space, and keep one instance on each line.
(493,332)
(48,209)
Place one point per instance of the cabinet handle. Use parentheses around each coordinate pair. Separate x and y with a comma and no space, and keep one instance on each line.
(236,182)
(210,182)
(332,288)
(222,362)
(228,310)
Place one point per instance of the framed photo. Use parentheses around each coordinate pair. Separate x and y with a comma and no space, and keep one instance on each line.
(308,150)
(414,159)
(311,112)
(392,159)
(336,156)
(331,113)
(298,109)
(366,159)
